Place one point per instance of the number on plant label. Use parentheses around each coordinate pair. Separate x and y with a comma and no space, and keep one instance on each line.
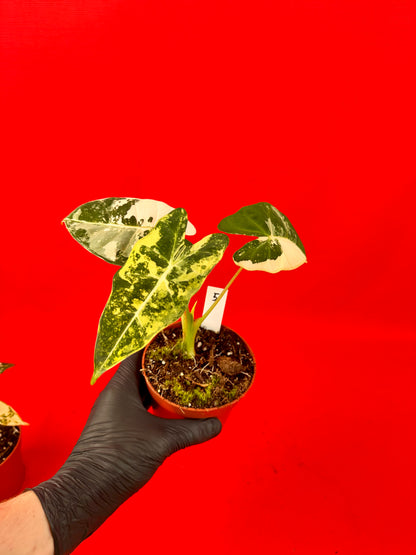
(214,319)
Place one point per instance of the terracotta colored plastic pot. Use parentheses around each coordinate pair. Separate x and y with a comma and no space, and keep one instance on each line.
(12,472)
(167,409)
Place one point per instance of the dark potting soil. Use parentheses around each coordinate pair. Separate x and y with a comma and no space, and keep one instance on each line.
(9,436)
(221,371)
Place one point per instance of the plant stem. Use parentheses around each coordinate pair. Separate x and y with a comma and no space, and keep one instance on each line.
(187,344)
(190,326)
(217,300)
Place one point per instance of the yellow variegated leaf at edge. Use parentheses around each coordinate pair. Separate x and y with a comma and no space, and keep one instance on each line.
(9,417)
(4,366)
(153,288)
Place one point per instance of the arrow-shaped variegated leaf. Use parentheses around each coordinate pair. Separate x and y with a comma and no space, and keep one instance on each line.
(4,366)
(277,246)
(110,227)
(9,417)
(153,288)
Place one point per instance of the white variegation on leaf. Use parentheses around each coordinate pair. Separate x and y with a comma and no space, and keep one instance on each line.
(9,417)
(153,288)
(277,246)
(110,227)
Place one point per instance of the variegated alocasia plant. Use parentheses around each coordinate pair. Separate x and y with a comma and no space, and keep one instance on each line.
(162,270)
(8,416)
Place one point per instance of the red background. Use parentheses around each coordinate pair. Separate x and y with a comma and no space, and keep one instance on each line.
(309,105)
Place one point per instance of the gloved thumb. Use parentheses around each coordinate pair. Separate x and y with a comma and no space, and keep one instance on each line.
(184,433)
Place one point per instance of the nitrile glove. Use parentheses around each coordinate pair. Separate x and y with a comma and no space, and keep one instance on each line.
(119,450)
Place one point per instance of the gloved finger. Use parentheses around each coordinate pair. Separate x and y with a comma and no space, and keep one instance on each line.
(129,374)
(130,365)
(127,380)
(145,396)
(129,371)
(187,432)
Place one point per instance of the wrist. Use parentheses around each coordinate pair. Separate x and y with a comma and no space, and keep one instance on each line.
(24,528)
(75,503)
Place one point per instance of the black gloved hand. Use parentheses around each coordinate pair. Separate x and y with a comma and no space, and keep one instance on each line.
(119,450)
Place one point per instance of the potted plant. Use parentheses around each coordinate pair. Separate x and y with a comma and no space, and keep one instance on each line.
(11,465)
(160,272)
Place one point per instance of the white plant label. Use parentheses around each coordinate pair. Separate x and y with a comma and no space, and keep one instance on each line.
(213,321)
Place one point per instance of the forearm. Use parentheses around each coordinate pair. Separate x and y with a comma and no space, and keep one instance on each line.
(24,528)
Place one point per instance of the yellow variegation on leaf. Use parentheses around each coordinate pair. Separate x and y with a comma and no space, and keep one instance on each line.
(153,288)
(9,417)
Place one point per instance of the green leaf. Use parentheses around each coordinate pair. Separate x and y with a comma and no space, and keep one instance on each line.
(153,288)
(9,417)
(4,366)
(110,227)
(278,246)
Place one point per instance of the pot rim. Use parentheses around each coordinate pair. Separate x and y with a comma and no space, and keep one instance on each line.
(189,410)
